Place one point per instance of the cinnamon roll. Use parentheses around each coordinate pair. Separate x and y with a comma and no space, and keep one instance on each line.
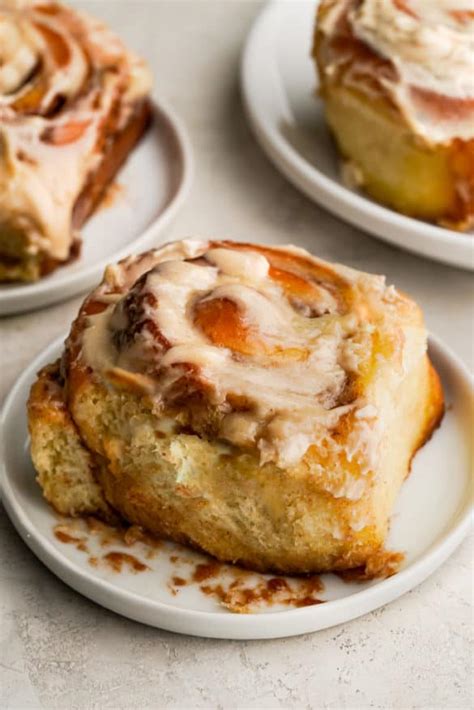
(254,402)
(397,79)
(73,103)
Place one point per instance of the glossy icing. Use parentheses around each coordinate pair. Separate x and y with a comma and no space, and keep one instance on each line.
(220,322)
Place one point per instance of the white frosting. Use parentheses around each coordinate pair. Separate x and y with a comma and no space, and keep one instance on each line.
(431,45)
(289,370)
(275,386)
(46,57)
(44,190)
(248,265)
(20,46)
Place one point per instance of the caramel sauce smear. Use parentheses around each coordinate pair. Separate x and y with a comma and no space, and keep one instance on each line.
(236,589)
(382,564)
(79,532)
(241,591)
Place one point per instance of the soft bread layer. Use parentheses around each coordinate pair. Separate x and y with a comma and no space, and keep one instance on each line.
(65,468)
(387,160)
(16,263)
(212,496)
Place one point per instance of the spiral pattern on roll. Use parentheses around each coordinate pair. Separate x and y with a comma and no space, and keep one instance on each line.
(262,347)
(50,55)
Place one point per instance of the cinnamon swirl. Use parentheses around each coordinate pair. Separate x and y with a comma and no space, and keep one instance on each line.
(73,103)
(255,402)
(397,79)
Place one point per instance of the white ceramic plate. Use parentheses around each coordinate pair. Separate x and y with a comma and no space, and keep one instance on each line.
(151,187)
(279,89)
(432,516)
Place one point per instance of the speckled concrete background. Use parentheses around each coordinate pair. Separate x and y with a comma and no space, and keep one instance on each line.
(58,650)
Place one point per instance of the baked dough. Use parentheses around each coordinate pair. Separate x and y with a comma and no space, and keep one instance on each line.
(73,103)
(397,81)
(254,402)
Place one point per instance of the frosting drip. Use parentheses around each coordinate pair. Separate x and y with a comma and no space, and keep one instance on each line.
(213,331)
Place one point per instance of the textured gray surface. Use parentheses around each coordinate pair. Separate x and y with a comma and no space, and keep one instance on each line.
(58,650)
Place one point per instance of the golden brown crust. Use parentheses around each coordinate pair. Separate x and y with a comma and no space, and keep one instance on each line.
(434,412)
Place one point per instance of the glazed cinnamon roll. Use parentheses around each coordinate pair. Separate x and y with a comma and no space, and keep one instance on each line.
(73,103)
(254,402)
(397,79)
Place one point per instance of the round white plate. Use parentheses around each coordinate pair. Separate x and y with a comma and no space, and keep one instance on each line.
(279,88)
(432,516)
(151,187)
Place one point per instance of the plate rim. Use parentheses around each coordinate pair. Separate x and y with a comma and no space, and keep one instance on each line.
(225,625)
(347,205)
(20,298)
